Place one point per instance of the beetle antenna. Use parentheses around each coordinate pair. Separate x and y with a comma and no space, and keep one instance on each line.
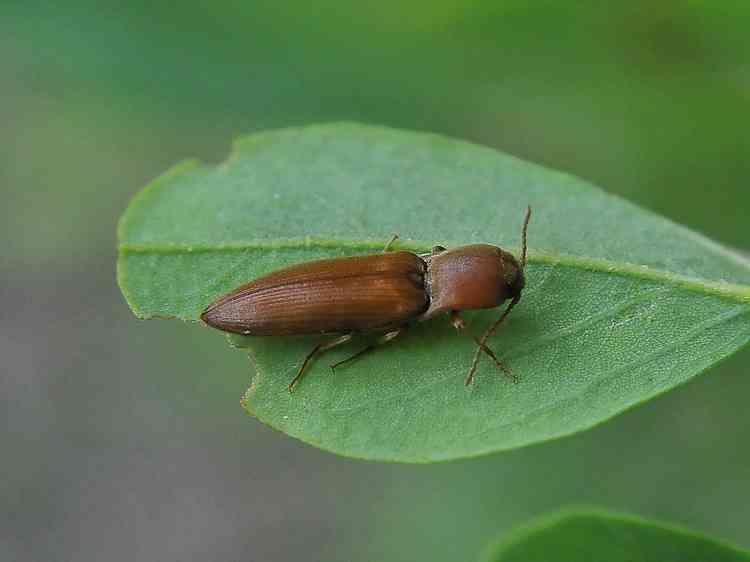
(523,236)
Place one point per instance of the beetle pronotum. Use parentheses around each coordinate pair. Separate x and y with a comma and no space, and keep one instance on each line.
(375,293)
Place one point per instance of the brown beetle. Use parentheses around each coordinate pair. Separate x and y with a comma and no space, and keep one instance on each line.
(376,293)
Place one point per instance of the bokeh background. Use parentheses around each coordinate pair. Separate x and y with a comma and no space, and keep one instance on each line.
(124,440)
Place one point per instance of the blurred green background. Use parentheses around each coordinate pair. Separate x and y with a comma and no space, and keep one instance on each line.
(121,442)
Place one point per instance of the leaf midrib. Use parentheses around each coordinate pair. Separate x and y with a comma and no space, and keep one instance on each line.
(726,290)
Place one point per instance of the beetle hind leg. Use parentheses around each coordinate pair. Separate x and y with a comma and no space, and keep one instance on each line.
(385,338)
(320,348)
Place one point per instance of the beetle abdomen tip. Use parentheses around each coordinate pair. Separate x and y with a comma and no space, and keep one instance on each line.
(214,316)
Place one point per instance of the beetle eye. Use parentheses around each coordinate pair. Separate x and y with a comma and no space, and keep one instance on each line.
(513,275)
(519,283)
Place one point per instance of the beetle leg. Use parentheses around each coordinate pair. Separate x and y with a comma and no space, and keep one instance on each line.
(315,350)
(390,243)
(500,364)
(456,321)
(385,338)
(459,324)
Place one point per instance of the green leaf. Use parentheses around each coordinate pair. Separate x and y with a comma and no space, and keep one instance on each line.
(594,536)
(620,304)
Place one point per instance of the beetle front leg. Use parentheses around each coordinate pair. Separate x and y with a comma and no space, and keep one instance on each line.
(459,324)
(456,321)
(321,347)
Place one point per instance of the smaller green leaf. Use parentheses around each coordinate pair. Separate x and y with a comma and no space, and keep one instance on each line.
(597,536)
